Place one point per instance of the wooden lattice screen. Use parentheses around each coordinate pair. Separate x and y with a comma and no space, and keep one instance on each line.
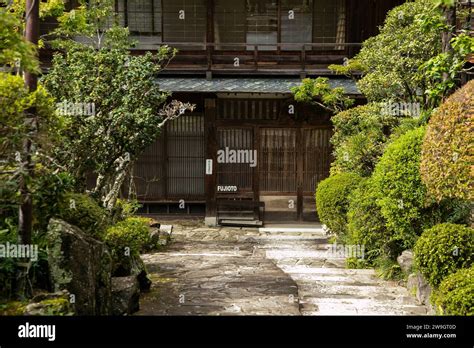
(180,153)
(277,160)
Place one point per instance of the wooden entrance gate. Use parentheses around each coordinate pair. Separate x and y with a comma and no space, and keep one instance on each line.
(290,162)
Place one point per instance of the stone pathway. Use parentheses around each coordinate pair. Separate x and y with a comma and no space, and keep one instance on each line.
(234,271)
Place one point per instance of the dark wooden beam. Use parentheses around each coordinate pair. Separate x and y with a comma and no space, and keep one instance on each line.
(211,153)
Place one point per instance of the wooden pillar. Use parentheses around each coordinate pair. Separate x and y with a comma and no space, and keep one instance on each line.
(210,37)
(255,170)
(299,172)
(211,154)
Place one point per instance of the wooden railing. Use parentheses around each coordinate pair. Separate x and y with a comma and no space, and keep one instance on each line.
(278,58)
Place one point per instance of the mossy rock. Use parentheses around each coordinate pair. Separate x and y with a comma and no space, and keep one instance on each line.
(60,306)
(12,308)
(84,212)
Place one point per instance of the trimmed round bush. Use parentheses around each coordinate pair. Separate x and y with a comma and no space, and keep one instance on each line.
(332,200)
(455,295)
(401,193)
(84,212)
(447,155)
(366,225)
(442,250)
(132,233)
(126,240)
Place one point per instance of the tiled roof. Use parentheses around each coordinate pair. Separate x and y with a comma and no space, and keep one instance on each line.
(243,85)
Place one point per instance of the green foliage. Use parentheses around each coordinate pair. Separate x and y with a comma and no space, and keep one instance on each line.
(56,306)
(132,233)
(455,295)
(359,138)
(15,308)
(83,211)
(401,193)
(387,268)
(388,211)
(14,49)
(8,234)
(332,201)
(126,103)
(357,263)
(48,194)
(319,92)
(128,111)
(390,60)
(447,151)
(129,107)
(124,209)
(94,23)
(15,100)
(47,8)
(405,125)
(443,69)
(366,224)
(442,250)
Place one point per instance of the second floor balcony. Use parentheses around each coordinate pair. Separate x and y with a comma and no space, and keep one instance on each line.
(281,37)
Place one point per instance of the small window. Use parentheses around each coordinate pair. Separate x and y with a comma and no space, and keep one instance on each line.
(329,23)
(262,24)
(230,24)
(296,23)
(184,21)
(142,17)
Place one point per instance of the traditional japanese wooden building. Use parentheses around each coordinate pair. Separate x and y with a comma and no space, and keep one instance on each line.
(237,61)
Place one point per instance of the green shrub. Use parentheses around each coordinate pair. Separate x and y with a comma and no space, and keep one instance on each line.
(49,190)
(132,233)
(359,138)
(332,200)
(124,209)
(84,212)
(8,234)
(401,193)
(447,156)
(455,295)
(442,250)
(387,268)
(366,224)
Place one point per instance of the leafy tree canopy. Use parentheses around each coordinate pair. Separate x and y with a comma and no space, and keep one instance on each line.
(405,62)
(121,107)
(15,51)
(319,92)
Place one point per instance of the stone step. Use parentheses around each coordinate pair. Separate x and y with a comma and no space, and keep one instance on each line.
(303,239)
(374,291)
(307,254)
(239,222)
(366,306)
(300,269)
(292,229)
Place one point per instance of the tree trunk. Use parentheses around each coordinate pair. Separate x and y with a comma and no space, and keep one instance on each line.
(450,19)
(25,213)
(122,166)
(447,36)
